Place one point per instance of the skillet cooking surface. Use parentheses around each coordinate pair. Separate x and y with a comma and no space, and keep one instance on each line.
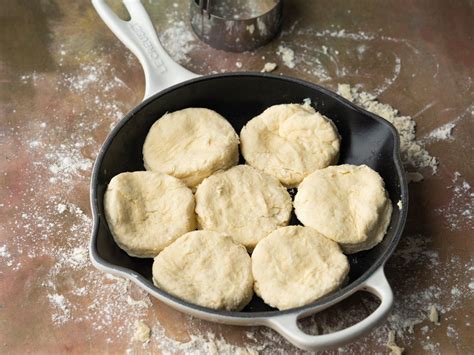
(366,139)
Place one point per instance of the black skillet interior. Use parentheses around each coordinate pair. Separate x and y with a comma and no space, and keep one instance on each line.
(239,97)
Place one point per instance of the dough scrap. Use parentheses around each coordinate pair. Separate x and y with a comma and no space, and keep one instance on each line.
(392,345)
(268,67)
(206,268)
(345,203)
(146,211)
(243,202)
(191,144)
(295,265)
(290,141)
(434,315)
(142,332)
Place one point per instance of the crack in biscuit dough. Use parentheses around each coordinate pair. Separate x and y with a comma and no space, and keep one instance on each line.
(346,203)
(243,202)
(295,266)
(147,211)
(191,144)
(290,141)
(206,268)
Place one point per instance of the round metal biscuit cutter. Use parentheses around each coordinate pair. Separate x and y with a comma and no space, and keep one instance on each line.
(236,25)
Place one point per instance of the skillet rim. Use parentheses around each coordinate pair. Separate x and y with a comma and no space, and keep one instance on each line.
(222,315)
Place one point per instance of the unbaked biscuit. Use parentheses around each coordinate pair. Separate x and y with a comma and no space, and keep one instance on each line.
(346,203)
(243,202)
(295,265)
(191,144)
(206,268)
(290,141)
(146,211)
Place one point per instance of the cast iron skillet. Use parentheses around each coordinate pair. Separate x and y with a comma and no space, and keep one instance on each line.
(366,139)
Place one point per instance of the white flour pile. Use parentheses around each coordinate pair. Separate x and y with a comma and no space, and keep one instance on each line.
(459,211)
(287,55)
(442,133)
(53,228)
(179,40)
(335,55)
(413,154)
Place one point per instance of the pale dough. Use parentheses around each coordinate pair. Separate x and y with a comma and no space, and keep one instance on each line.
(191,144)
(142,332)
(346,203)
(243,202)
(295,266)
(392,345)
(146,211)
(289,142)
(206,268)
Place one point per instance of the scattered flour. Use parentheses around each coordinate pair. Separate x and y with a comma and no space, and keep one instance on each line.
(416,259)
(441,133)
(413,154)
(459,211)
(61,208)
(444,132)
(206,343)
(78,257)
(329,61)
(47,221)
(4,252)
(179,40)
(62,307)
(287,55)
(455,292)
(6,257)
(65,162)
(82,82)
(451,332)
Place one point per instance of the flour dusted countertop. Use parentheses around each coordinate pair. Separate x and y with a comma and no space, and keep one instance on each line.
(66,81)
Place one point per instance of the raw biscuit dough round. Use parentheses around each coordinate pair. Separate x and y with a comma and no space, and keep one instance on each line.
(290,141)
(295,265)
(346,203)
(206,268)
(243,202)
(146,211)
(191,144)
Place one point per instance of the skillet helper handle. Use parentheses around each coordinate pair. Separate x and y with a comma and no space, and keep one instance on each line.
(377,284)
(140,37)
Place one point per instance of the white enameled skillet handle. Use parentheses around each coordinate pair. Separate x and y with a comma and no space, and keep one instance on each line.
(140,37)
(287,326)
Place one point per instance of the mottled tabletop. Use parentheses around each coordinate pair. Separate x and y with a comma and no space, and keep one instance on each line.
(65,81)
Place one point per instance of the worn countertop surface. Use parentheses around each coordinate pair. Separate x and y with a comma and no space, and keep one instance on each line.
(65,81)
